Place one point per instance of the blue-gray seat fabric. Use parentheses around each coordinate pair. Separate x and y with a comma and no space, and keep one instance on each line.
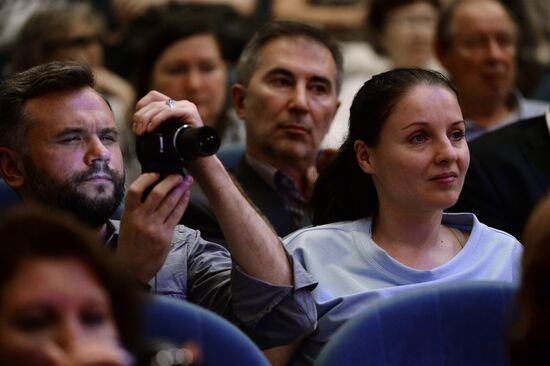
(177,322)
(448,325)
(8,197)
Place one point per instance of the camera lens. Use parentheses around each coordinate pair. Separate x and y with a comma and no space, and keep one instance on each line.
(192,143)
(165,149)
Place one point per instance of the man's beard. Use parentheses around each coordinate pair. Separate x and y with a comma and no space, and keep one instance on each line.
(64,194)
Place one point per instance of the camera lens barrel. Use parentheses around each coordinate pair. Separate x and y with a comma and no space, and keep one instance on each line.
(165,149)
(192,143)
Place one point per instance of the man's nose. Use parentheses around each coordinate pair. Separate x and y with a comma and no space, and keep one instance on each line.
(96,150)
(495,50)
(299,100)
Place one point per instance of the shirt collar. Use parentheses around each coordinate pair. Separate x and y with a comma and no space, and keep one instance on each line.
(473,130)
(269,173)
(265,171)
(111,236)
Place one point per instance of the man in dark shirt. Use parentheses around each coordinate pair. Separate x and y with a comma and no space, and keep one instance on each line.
(509,173)
(288,79)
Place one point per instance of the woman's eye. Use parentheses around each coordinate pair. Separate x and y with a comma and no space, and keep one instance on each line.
(207,68)
(92,318)
(418,138)
(457,135)
(176,69)
(35,322)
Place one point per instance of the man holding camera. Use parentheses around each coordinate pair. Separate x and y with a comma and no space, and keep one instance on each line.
(59,146)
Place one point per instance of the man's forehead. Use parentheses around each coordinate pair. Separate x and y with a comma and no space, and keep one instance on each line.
(278,52)
(71,105)
(483,10)
(83,98)
(284,42)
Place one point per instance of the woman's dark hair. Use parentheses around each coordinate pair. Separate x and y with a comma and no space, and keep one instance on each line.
(343,191)
(32,232)
(530,336)
(173,27)
(174,23)
(379,12)
(169,24)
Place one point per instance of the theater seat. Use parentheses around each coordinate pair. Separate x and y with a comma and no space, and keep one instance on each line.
(177,322)
(7,196)
(230,155)
(446,325)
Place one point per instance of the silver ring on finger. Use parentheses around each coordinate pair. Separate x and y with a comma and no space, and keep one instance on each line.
(171,103)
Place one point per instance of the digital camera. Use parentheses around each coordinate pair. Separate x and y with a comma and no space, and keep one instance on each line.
(167,148)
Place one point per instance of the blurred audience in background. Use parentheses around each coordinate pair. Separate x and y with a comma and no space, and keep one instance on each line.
(188,55)
(343,18)
(539,13)
(72,32)
(530,59)
(404,31)
(509,173)
(13,14)
(401,33)
(233,31)
(187,51)
(477,43)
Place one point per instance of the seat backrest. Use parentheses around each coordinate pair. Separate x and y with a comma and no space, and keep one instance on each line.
(445,325)
(8,197)
(177,322)
(230,155)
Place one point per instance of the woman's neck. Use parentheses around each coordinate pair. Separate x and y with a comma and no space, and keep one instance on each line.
(417,240)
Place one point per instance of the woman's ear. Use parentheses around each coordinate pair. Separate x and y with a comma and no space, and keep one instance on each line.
(362,154)
(11,168)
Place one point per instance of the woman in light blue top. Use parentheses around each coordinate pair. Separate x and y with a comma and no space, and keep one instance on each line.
(378,207)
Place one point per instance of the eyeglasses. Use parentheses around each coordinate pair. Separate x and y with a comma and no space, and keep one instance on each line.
(412,22)
(76,42)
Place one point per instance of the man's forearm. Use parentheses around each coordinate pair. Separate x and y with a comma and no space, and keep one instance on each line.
(253,244)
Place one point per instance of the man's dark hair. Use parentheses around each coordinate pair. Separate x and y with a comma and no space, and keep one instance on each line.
(250,57)
(18,88)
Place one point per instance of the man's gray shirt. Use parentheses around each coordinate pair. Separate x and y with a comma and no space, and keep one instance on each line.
(202,272)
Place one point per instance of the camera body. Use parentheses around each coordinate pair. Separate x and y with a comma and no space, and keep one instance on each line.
(167,148)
